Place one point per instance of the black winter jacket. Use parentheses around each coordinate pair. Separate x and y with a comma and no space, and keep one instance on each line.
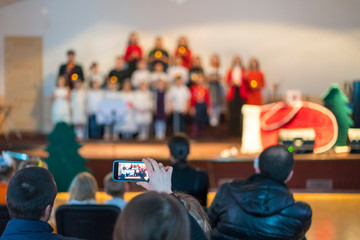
(258,208)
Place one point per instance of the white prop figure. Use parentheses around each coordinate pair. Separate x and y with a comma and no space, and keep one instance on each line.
(251,138)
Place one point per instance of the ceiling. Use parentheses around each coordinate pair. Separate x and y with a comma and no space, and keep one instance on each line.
(7,2)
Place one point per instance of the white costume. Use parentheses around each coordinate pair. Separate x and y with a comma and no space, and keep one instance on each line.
(60,107)
(175,71)
(77,100)
(129,124)
(179,97)
(155,76)
(140,76)
(93,98)
(143,105)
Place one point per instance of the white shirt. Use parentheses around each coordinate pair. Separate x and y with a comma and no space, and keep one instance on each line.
(140,76)
(174,71)
(93,97)
(155,76)
(179,97)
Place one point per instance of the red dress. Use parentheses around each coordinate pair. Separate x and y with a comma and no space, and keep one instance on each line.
(200,94)
(232,84)
(133,49)
(185,54)
(255,83)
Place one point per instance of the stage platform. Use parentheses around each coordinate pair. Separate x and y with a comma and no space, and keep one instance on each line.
(313,172)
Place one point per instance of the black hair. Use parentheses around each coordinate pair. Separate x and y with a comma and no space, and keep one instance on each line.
(276,162)
(29,192)
(179,147)
(70,52)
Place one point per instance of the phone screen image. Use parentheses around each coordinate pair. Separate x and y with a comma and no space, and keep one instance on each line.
(130,171)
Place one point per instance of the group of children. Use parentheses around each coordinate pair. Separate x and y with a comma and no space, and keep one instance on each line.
(154,91)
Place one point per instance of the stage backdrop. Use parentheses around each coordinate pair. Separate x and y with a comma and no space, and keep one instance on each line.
(301,44)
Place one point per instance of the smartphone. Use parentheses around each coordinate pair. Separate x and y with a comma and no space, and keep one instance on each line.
(130,171)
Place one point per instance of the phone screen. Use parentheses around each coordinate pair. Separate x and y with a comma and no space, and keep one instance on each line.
(130,171)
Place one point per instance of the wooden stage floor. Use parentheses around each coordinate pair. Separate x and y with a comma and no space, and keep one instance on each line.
(335,216)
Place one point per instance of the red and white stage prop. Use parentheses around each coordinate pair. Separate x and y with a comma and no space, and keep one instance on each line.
(296,115)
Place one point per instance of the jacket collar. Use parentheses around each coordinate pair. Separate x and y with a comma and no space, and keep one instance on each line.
(21,225)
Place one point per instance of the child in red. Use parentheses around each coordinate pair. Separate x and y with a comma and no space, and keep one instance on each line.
(133,53)
(184,52)
(200,106)
(255,83)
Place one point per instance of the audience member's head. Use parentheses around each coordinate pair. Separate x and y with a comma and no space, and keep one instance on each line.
(31,194)
(277,163)
(83,187)
(33,162)
(7,167)
(153,216)
(116,189)
(196,211)
(179,147)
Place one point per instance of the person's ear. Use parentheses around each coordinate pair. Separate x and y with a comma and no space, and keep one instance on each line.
(290,176)
(47,213)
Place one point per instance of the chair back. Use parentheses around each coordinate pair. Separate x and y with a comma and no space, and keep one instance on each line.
(4,218)
(87,221)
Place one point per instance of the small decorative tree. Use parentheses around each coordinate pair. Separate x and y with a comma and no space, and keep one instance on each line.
(64,160)
(335,100)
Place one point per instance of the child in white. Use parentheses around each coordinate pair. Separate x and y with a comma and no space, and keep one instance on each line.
(60,111)
(95,75)
(93,97)
(178,98)
(178,70)
(111,93)
(143,106)
(157,74)
(78,115)
(140,75)
(128,127)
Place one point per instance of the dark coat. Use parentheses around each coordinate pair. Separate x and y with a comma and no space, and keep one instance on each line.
(258,208)
(191,181)
(17,229)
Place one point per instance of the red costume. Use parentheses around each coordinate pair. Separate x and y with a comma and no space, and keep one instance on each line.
(233,83)
(133,51)
(185,54)
(255,82)
(200,94)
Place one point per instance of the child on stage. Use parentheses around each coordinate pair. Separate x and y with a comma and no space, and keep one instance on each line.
(78,115)
(178,98)
(93,97)
(215,77)
(255,83)
(143,106)
(140,75)
(160,110)
(128,128)
(184,52)
(178,70)
(60,111)
(200,106)
(110,131)
(133,53)
(157,74)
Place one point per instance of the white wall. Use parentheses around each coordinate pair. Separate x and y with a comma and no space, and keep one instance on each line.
(301,44)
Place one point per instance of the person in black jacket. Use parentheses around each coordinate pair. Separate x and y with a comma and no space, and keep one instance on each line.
(185,178)
(70,70)
(261,207)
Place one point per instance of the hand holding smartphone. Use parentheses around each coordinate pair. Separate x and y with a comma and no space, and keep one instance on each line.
(130,171)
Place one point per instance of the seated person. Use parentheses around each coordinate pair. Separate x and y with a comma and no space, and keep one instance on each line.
(7,169)
(116,190)
(197,212)
(83,189)
(261,207)
(187,179)
(33,162)
(31,194)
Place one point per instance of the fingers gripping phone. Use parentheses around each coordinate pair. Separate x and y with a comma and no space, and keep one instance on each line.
(130,171)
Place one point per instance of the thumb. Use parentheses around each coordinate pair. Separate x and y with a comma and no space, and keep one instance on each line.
(169,171)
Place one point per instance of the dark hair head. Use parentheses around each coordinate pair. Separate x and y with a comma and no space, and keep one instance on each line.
(70,52)
(114,188)
(29,192)
(179,147)
(276,162)
(153,216)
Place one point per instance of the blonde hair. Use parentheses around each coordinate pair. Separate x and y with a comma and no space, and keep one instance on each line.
(196,211)
(114,188)
(83,187)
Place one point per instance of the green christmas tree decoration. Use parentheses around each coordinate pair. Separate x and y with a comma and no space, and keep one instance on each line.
(64,161)
(336,101)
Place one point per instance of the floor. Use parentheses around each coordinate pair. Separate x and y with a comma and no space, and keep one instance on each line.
(335,216)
